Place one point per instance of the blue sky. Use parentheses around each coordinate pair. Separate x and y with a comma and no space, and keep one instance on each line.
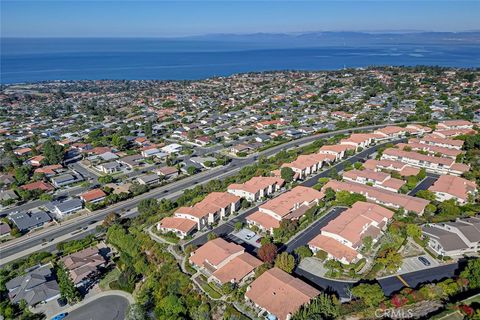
(120,18)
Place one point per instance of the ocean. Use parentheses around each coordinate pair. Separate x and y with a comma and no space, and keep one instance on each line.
(32,60)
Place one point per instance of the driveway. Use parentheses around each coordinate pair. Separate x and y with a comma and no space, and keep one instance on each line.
(412,264)
(112,307)
(423,185)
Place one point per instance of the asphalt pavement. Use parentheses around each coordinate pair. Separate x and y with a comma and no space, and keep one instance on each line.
(312,231)
(105,308)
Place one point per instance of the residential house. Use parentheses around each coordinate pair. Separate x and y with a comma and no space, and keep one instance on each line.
(64,208)
(36,286)
(93,196)
(84,266)
(149,179)
(110,167)
(37,185)
(224,262)
(167,172)
(26,221)
(461,237)
(279,294)
(65,180)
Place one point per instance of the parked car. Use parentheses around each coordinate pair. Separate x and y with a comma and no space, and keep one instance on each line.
(60,316)
(424,261)
(250,235)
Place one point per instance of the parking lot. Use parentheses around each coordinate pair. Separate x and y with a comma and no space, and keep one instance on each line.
(412,264)
(245,235)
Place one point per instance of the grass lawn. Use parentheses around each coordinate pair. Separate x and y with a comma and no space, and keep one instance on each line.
(113,275)
(212,292)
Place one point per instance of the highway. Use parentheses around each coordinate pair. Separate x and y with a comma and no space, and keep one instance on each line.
(23,246)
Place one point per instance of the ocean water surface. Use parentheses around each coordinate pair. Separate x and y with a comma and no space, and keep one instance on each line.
(31,60)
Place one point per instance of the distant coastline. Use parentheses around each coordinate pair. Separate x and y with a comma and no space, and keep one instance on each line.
(44,59)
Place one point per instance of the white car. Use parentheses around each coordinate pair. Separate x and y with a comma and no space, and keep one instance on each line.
(250,236)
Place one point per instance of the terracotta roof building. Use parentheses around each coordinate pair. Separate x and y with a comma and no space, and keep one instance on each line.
(375,178)
(433,164)
(379,196)
(224,261)
(290,205)
(402,168)
(256,188)
(94,195)
(279,294)
(451,187)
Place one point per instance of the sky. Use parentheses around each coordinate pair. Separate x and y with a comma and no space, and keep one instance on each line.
(121,18)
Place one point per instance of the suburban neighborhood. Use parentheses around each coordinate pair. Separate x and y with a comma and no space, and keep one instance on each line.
(277,195)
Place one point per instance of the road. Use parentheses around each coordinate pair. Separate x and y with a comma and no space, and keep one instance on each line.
(19,247)
(424,184)
(104,308)
(312,231)
(389,284)
(228,227)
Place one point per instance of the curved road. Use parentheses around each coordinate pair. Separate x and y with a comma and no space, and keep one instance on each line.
(112,307)
(18,248)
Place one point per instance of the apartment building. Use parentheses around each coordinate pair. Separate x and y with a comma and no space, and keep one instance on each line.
(439,165)
(454,124)
(278,294)
(454,238)
(290,205)
(256,188)
(379,196)
(374,178)
(403,169)
(214,207)
(224,262)
(349,229)
(451,187)
(435,140)
(415,145)
(305,165)
(360,140)
(337,150)
(180,226)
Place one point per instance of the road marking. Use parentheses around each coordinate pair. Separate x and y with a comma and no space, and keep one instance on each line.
(402,280)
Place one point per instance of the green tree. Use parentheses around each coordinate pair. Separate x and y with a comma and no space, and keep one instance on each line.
(68,290)
(303,252)
(285,261)
(119,142)
(449,208)
(472,273)
(413,230)
(148,207)
(212,236)
(191,170)
(287,174)
(105,179)
(53,152)
(426,194)
(323,306)
(371,294)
